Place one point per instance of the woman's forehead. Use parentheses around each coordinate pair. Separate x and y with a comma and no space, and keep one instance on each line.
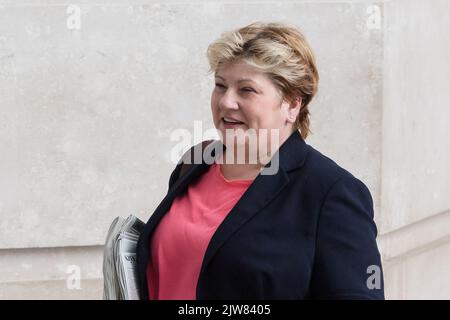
(240,73)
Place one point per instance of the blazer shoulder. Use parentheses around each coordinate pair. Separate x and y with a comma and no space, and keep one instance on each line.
(326,171)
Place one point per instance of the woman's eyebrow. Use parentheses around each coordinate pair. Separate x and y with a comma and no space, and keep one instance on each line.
(240,80)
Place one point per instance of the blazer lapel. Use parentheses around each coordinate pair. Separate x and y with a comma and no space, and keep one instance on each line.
(143,247)
(182,182)
(164,206)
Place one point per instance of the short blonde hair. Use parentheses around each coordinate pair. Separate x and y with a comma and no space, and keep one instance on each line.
(278,50)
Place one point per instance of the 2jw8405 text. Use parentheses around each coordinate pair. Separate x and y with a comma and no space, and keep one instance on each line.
(245,309)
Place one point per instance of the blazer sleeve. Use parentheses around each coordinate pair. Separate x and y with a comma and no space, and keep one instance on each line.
(347,263)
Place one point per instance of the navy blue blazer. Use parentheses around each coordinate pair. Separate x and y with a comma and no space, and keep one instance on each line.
(306,232)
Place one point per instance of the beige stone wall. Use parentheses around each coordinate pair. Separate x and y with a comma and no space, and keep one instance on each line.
(415,175)
(87,107)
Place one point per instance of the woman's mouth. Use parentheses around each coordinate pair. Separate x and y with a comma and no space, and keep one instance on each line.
(231,123)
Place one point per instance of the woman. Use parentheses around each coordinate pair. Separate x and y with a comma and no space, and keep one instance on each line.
(233,230)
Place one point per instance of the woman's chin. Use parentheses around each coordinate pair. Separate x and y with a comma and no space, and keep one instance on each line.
(233,144)
(236,140)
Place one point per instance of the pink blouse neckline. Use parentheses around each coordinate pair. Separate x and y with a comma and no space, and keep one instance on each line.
(218,173)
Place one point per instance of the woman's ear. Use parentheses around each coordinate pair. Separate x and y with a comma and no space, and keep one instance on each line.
(294,109)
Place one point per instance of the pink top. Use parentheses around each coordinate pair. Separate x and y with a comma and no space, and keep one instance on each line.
(180,240)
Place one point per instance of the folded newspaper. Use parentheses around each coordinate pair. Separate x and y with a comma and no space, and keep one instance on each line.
(119,259)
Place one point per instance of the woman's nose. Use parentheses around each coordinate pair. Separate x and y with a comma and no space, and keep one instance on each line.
(228,101)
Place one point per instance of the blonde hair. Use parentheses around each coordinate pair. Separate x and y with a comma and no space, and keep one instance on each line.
(278,50)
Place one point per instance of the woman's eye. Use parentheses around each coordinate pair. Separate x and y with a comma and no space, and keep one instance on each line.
(246,89)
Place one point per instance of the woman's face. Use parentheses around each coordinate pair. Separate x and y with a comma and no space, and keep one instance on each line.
(243,94)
